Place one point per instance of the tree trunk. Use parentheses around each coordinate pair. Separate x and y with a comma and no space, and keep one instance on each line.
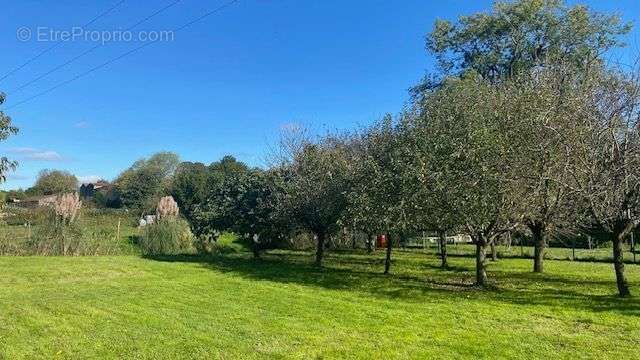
(255,246)
(618,265)
(387,260)
(370,241)
(494,251)
(353,240)
(539,243)
(481,271)
(320,248)
(442,236)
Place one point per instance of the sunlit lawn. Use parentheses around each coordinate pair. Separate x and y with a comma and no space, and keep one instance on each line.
(281,307)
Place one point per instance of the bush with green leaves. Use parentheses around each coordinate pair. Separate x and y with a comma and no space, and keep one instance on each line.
(167,236)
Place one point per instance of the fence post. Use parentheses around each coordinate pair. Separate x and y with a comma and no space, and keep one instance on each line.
(118,231)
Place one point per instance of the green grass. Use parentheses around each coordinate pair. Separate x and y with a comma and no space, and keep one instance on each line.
(555,253)
(100,232)
(282,307)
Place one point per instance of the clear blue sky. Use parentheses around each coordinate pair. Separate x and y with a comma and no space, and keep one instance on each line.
(225,85)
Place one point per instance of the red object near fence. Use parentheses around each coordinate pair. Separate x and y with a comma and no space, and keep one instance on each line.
(381,241)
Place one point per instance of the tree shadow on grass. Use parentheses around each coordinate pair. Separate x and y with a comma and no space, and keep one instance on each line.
(423,284)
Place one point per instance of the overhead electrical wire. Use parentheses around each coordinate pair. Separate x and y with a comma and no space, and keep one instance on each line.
(55,45)
(90,50)
(123,55)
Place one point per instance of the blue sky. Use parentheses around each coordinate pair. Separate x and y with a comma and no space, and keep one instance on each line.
(225,85)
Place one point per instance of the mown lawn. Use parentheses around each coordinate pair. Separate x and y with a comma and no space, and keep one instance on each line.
(555,253)
(281,307)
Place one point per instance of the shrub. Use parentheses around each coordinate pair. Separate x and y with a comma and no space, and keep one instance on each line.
(167,236)
(231,243)
(19,216)
(205,243)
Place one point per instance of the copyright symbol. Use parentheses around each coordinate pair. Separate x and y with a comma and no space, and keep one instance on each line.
(23,34)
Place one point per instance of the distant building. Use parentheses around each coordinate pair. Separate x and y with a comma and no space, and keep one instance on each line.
(89,190)
(34,201)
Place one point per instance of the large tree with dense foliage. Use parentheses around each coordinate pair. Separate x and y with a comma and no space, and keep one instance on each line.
(51,182)
(316,185)
(521,35)
(377,198)
(606,146)
(540,112)
(141,185)
(189,186)
(211,214)
(251,202)
(461,163)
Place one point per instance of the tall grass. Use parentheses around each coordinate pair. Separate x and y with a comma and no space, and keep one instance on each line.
(167,236)
(94,232)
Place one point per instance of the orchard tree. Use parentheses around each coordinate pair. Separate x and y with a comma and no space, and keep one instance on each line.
(462,164)
(254,208)
(361,212)
(541,109)
(316,186)
(606,143)
(377,200)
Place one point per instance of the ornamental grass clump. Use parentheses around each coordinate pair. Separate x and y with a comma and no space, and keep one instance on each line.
(67,207)
(169,234)
(167,207)
(59,234)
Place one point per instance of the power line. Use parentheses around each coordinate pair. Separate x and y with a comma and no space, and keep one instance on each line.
(55,45)
(90,50)
(112,60)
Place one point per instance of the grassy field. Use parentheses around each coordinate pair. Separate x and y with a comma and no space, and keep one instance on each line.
(104,232)
(282,307)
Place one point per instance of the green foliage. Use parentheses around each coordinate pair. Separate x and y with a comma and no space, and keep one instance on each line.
(379,186)
(167,236)
(517,36)
(214,214)
(52,182)
(316,183)
(14,194)
(140,186)
(231,243)
(20,216)
(189,186)
(240,200)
